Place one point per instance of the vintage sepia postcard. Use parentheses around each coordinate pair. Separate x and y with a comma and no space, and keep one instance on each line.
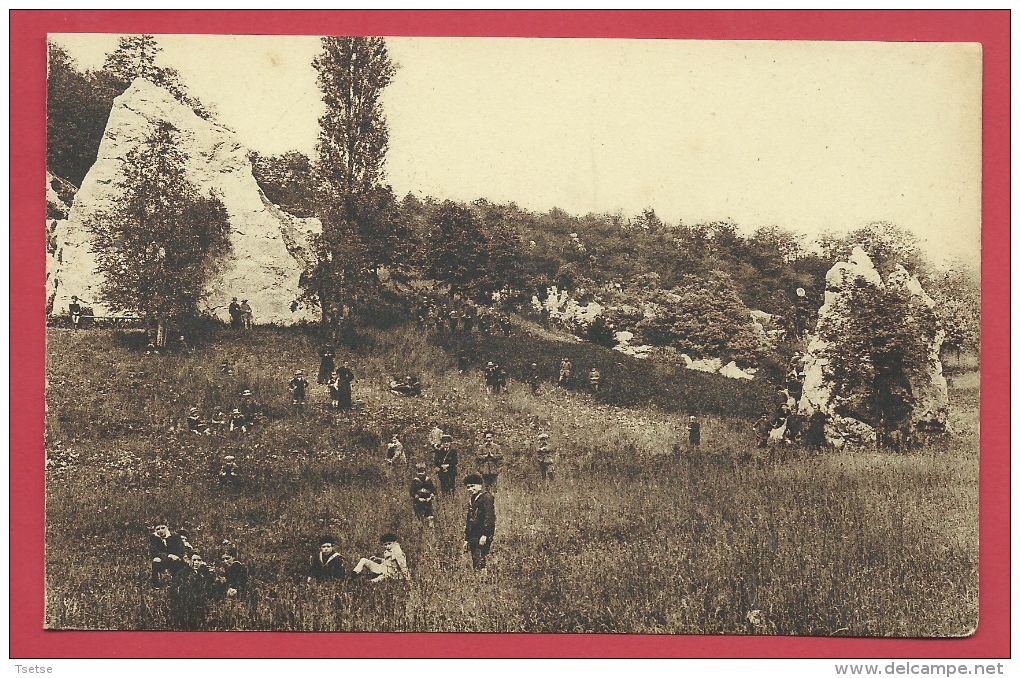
(512,335)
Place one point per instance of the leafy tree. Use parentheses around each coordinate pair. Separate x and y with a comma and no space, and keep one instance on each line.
(77,109)
(286,180)
(158,247)
(353,135)
(135,57)
(457,249)
(357,210)
(703,317)
(876,351)
(957,293)
(887,244)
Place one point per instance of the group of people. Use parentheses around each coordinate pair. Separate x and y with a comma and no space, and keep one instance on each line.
(496,378)
(488,464)
(176,563)
(457,316)
(240,419)
(241,316)
(784,424)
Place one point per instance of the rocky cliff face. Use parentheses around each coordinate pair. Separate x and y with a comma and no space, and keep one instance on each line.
(269,248)
(930,395)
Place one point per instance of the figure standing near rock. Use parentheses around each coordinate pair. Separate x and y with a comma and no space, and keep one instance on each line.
(344,378)
(246,315)
(74,308)
(298,389)
(235,314)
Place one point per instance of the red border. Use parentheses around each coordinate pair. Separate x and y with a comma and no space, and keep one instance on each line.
(28,55)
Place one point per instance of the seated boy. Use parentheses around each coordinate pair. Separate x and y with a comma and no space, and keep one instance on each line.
(391,565)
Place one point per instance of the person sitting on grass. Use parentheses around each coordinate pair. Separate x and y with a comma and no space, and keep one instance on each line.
(395,451)
(327,564)
(392,564)
(167,551)
(219,421)
(195,423)
(249,408)
(298,389)
(238,422)
(407,386)
(233,580)
(228,470)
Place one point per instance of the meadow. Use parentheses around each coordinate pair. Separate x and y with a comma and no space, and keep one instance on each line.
(628,538)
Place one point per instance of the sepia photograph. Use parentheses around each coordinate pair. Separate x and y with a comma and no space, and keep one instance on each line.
(512,335)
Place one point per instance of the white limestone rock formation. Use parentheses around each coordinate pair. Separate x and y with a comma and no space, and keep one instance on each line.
(269,248)
(820,392)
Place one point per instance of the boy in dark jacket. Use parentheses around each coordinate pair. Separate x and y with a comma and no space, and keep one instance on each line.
(327,564)
(445,462)
(167,551)
(481,521)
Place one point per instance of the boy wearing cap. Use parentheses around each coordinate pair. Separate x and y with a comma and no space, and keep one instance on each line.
(228,470)
(327,564)
(298,389)
(392,564)
(167,552)
(445,462)
(395,451)
(481,521)
(234,579)
(423,492)
(489,461)
(195,423)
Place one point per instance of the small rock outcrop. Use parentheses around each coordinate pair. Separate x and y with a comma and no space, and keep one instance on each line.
(269,248)
(927,391)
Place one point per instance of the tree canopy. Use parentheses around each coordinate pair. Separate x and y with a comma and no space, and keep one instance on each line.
(158,247)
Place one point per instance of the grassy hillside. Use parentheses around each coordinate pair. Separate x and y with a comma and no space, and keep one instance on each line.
(627,539)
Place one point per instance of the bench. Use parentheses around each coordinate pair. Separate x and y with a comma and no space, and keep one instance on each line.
(114,320)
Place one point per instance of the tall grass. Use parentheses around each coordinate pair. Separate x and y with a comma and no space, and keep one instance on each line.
(627,539)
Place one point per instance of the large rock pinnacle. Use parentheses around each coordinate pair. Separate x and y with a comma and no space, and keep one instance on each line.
(269,248)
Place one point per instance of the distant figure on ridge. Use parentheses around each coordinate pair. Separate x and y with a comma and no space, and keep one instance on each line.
(565,371)
(246,315)
(546,458)
(235,314)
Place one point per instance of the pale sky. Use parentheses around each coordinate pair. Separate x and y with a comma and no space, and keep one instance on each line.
(812,137)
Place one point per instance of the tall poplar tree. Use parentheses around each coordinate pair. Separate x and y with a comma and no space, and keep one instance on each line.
(356,208)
